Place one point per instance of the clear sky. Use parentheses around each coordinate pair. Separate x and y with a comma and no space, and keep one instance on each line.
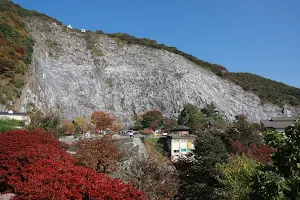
(257,36)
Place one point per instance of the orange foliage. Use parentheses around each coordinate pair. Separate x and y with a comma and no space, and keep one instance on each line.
(70,128)
(102,120)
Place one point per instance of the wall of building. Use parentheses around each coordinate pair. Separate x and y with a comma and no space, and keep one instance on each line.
(181,146)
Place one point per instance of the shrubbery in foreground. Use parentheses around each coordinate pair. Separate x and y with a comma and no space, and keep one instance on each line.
(34,166)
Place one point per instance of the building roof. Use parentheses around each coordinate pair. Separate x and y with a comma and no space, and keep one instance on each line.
(180,128)
(175,136)
(14,113)
(283,118)
(278,122)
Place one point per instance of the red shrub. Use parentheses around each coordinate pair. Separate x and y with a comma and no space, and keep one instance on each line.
(261,153)
(34,166)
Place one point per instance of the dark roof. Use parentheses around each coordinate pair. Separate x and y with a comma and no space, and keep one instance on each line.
(15,113)
(175,136)
(279,122)
(180,128)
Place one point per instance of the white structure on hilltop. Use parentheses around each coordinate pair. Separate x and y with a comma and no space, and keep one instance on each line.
(82,30)
(69,27)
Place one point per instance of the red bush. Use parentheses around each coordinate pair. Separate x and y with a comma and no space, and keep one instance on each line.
(261,153)
(34,166)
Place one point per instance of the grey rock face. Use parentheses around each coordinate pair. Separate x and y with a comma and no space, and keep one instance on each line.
(68,76)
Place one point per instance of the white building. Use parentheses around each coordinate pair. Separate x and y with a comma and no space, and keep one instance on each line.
(180,144)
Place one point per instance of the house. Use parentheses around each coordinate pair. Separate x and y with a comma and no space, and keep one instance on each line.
(14,115)
(278,123)
(82,30)
(69,27)
(180,144)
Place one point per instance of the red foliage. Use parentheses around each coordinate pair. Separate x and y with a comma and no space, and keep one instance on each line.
(261,153)
(20,50)
(101,154)
(34,166)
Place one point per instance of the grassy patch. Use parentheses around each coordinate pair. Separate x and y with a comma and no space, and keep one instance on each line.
(9,124)
(156,150)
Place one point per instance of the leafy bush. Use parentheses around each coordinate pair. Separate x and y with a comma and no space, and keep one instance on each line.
(34,166)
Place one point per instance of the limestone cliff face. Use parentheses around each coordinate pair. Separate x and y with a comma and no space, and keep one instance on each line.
(77,73)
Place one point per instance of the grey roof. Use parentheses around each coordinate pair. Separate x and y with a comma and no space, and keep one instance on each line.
(14,113)
(279,124)
(283,118)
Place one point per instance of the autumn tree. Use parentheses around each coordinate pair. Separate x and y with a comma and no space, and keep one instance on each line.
(102,120)
(153,119)
(159,181)
(100,154)
(83,123)
(69,127)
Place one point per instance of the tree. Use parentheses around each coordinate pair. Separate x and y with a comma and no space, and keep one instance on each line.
(69,127)
(237,176)
(34,166)
(83,123)
(158,180)
(49,121)
(153,119)
(243,131)
(191,117)
(101,154)
(199,179)
(283,180)
(102,120)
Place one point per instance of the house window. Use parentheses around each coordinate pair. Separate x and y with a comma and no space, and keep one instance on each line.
(190,150)
(176,151)
(183,150)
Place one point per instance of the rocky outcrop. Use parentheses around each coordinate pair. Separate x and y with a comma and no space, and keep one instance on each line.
(77,73)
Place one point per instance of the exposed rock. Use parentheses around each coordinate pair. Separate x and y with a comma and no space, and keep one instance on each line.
(77,73)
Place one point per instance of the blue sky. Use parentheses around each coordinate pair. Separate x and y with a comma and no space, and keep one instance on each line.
(257,36)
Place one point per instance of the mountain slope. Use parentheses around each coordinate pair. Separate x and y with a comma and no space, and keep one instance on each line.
(76,73)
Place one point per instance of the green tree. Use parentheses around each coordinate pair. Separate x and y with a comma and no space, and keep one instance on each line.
(199,178)
(283,180)
(243,131)
(237,176)
(191,117)
(48,121)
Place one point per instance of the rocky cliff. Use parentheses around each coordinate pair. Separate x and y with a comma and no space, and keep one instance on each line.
(77,73)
